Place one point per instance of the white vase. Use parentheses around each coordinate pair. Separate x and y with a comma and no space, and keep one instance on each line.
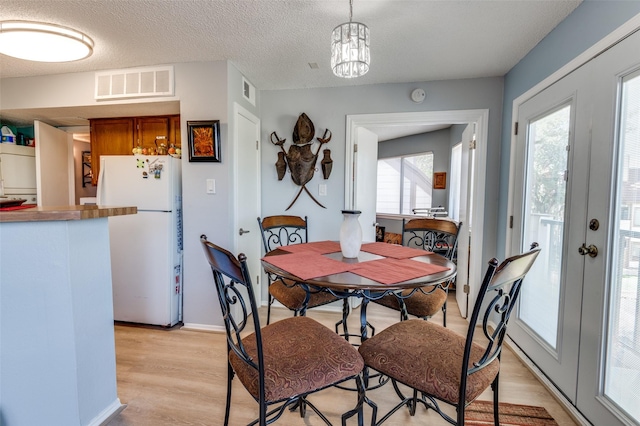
(350,234)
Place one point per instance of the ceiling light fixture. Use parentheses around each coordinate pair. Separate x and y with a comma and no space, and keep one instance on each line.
(41,42)
(350,48)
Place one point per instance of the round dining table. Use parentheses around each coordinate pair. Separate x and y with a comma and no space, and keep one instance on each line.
(349,284)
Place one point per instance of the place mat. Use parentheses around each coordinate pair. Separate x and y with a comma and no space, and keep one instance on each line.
(319,247)
(393,250)
(392,271)
(307,265)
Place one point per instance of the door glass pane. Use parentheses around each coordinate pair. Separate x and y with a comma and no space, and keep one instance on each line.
(544,213)
(622,368)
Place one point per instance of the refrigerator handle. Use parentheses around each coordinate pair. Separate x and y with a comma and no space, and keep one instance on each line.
(100,189)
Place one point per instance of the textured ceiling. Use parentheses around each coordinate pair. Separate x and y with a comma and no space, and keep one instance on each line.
(272,42)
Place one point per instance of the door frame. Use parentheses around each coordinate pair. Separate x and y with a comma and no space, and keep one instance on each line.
(481,118)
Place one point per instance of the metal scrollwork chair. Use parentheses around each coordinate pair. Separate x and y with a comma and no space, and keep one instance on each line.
(283,230)
(283,362)
(442,365)
(439,236)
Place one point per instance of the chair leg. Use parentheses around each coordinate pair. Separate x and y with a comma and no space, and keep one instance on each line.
(496,406)
(362,397)
(269,302)
(230,374)
(444,313)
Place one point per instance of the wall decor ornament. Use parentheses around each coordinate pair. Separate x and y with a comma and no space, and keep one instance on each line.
(326,163)
(300,158)
(204,141)
(440,180)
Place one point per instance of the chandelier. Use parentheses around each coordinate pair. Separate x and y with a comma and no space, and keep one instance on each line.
(350,48)
(37,41)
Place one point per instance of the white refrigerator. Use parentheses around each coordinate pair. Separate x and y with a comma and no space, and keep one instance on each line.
(146,248)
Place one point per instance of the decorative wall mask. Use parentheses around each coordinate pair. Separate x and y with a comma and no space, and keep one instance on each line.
(300,159)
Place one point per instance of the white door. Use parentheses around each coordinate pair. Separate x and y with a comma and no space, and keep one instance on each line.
(247,203)
(464,217)
(54,166)
(366,170)
(578,157)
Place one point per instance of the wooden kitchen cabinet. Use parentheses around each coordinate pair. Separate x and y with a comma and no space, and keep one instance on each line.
(150,129)
(110,136)
(174,131)
(118,136)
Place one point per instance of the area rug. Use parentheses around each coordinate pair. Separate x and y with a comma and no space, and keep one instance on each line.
(480,413)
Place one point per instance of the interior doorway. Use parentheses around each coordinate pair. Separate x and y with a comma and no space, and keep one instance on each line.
(356,183)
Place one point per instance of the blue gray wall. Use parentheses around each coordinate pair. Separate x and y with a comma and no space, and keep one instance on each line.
(328,109)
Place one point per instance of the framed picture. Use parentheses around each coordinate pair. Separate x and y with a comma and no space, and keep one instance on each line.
(440,180)
(204,141)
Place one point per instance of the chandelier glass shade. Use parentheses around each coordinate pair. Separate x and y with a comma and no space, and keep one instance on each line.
(350,48)
(41,42)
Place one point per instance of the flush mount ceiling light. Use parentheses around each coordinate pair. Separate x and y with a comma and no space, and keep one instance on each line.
(41,42)
(350,48)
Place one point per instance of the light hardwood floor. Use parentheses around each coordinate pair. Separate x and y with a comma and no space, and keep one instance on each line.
(178,377)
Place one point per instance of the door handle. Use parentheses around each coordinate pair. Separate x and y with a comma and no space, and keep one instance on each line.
(242,231)
(592,250)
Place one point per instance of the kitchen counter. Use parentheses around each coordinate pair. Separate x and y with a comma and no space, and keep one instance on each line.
(57,348)
(38,214)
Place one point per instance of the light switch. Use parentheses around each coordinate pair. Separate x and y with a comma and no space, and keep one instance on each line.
(322,189)
(211,186)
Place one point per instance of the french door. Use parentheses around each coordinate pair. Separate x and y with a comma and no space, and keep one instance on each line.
(577,189)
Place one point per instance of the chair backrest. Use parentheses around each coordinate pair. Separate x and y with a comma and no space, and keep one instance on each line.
(237,301)
(436,235)
(282,230)
(497,297)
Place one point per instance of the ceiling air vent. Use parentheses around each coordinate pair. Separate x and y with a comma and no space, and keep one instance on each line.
(134,83)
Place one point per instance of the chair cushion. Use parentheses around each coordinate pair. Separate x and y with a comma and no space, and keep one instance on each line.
(293,297)
(427,357)
(418,304)
(300,356)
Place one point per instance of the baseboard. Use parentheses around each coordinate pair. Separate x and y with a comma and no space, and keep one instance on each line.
(555,392)
(108,413)
(203,327)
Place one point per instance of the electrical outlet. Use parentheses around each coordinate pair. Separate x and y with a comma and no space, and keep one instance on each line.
(322,189)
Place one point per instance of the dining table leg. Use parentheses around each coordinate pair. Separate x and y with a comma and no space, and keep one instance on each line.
(363,316)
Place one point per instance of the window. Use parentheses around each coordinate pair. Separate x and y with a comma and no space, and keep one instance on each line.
(404,183)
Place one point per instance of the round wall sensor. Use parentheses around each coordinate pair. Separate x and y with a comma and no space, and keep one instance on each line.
(418,96)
